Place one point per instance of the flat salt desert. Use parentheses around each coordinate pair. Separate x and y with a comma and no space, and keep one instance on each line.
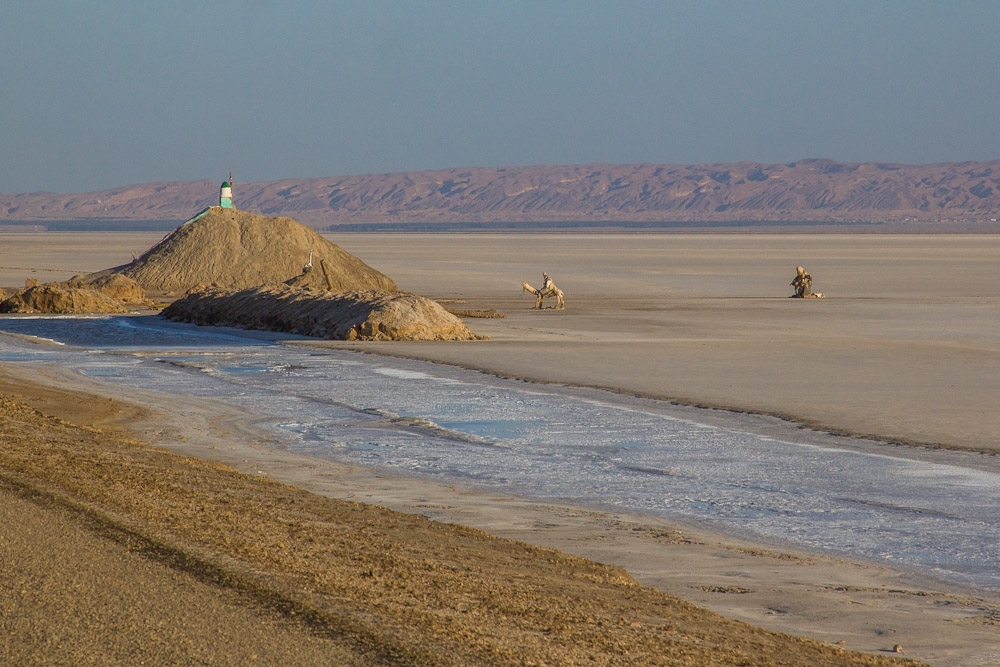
(906,345)
(904,348)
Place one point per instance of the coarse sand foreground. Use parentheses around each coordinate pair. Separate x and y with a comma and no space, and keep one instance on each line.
(115,552)
(904,348)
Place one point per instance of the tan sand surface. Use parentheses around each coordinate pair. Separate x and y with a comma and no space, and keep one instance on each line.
(903,347)
(71,597)
(56,256)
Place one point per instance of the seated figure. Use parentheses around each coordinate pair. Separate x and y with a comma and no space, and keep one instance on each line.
(802,284)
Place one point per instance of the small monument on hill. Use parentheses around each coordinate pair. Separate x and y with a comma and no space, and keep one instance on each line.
(226,193)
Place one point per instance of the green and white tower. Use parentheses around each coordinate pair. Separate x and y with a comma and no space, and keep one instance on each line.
(226,193)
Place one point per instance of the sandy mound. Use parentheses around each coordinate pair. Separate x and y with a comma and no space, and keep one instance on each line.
(59,298)
(359,315)
(79,295)
(237,249)
(116,286)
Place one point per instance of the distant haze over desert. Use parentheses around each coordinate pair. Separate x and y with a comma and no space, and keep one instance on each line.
(813,191)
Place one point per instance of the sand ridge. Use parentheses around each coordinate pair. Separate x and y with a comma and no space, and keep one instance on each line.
(354,315)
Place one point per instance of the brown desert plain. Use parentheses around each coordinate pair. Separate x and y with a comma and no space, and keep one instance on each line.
(137,527)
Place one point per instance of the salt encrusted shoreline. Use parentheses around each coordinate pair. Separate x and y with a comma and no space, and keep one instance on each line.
(378,586)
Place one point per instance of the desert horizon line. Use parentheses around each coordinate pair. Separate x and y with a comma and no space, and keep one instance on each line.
(809,190)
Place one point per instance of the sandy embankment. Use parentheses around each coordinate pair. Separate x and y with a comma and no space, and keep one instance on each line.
(115,552)
(904,347)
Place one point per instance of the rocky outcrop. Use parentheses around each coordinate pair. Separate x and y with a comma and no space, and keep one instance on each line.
(360,315)
(807,190)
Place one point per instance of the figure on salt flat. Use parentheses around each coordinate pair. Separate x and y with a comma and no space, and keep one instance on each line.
(548,289)
(802,284)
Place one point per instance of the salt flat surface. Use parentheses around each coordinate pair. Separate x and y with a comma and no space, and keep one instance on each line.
(551,442)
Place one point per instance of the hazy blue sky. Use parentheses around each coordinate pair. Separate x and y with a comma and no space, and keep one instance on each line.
(98,94)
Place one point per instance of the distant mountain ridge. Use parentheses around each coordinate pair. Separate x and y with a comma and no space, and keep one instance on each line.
(813,190)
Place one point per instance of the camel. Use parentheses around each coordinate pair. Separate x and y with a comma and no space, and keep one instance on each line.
(548,289)
(803,285)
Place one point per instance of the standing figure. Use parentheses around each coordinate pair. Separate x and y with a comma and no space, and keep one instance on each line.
(547,284)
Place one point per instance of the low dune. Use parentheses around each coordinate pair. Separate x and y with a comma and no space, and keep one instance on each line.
(371,315)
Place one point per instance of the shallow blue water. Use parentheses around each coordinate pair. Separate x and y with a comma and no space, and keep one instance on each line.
(548,442)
